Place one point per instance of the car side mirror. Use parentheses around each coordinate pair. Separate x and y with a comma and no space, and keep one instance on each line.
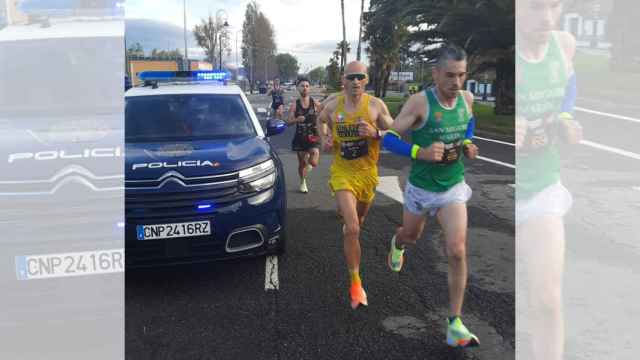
(275,127)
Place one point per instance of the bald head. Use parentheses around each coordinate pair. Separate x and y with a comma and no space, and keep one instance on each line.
(355,67)
(355,79)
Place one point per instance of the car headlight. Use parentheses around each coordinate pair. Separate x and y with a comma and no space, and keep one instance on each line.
(258,178)
(261,198)
(257,171)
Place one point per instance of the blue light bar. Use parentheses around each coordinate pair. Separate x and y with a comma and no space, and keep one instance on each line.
(205,207)
(199,75)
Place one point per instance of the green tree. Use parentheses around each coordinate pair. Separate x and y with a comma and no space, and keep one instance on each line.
(208,33)
(318,74)
(386,32)
(258,44)
(486,29)
(135,50)
(287,66)
(333,71)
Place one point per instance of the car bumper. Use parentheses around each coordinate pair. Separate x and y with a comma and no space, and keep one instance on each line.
(247,232)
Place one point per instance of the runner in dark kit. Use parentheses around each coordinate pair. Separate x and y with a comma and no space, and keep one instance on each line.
(277,99)
(303,113)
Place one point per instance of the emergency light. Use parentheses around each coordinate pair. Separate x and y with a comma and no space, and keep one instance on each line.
(199,75)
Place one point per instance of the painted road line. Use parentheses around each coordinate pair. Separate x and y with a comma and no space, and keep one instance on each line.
(262,110)
(496,162)
(628,154)
(512,185)
(607,114)
(390,187)
(495,141)
(271,281)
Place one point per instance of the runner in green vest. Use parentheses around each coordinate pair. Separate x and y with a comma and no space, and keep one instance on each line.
(438,118)
(545,95)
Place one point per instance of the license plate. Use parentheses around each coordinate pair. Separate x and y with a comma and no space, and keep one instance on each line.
(30,267)
(169,231)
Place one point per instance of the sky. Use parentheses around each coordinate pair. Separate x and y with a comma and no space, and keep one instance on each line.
(307,29)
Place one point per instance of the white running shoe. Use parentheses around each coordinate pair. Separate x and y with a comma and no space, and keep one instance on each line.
(303,186)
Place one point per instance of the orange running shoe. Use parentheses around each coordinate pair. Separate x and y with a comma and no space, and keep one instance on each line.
(358,296)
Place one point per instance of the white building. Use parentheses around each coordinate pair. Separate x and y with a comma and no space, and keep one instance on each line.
(588,23)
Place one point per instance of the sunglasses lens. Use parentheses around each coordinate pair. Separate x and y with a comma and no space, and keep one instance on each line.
(356,76)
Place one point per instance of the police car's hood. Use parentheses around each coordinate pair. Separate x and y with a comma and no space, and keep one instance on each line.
(41,150)
(148,161)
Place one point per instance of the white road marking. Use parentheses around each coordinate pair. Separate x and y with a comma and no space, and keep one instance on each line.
(636,188)
(495,141)
(512,185)
(390,186)
(607,114)
(611,149)
(496,162)
(271,281)
(262,110)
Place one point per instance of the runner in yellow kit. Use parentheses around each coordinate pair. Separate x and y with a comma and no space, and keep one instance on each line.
(355,120)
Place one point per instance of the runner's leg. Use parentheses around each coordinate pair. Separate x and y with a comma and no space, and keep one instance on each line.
(541,243)
(453,220)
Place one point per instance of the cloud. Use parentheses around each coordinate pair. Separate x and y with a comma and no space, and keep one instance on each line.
(308,29)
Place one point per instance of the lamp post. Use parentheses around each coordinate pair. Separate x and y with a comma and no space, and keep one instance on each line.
(237,65)
(186,56)
(220,31)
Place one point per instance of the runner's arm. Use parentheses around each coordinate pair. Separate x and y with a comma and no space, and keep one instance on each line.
(471,127)
(384,120)
(292,113)
(323,128)
(323,122)
(568,44)
(409,115)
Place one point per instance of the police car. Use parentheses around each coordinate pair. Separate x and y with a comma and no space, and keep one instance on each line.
(202,181)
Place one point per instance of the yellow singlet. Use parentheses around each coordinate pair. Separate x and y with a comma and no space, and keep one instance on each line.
(354,166)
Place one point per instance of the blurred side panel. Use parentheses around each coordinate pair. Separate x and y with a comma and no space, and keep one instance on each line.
(61,179)
(578,176)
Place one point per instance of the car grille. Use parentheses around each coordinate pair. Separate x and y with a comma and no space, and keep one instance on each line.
(148,200)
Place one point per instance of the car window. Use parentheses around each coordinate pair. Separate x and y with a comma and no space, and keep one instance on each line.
(186,117)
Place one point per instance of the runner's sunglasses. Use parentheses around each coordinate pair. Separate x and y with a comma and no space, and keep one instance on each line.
(359,76)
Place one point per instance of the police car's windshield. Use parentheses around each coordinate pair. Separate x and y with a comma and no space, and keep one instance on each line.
(59,77)
(186,117)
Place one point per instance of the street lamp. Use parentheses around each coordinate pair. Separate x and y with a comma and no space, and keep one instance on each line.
(186,58)
(226,24)
(237,65)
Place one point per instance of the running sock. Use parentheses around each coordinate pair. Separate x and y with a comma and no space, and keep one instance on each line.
(355,276)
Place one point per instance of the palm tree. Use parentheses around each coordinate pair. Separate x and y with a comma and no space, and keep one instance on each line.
(343,60)
(360,31)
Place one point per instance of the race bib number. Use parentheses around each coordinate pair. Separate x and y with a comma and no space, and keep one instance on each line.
(537,134)
(351,150)
(452,152)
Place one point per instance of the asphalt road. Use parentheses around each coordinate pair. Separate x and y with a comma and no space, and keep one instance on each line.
(226,311)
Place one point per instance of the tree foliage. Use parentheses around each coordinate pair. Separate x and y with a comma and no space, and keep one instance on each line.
(208,35)
(318,74)
(485,29)
(287,66)
(385,31)
(258,44)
